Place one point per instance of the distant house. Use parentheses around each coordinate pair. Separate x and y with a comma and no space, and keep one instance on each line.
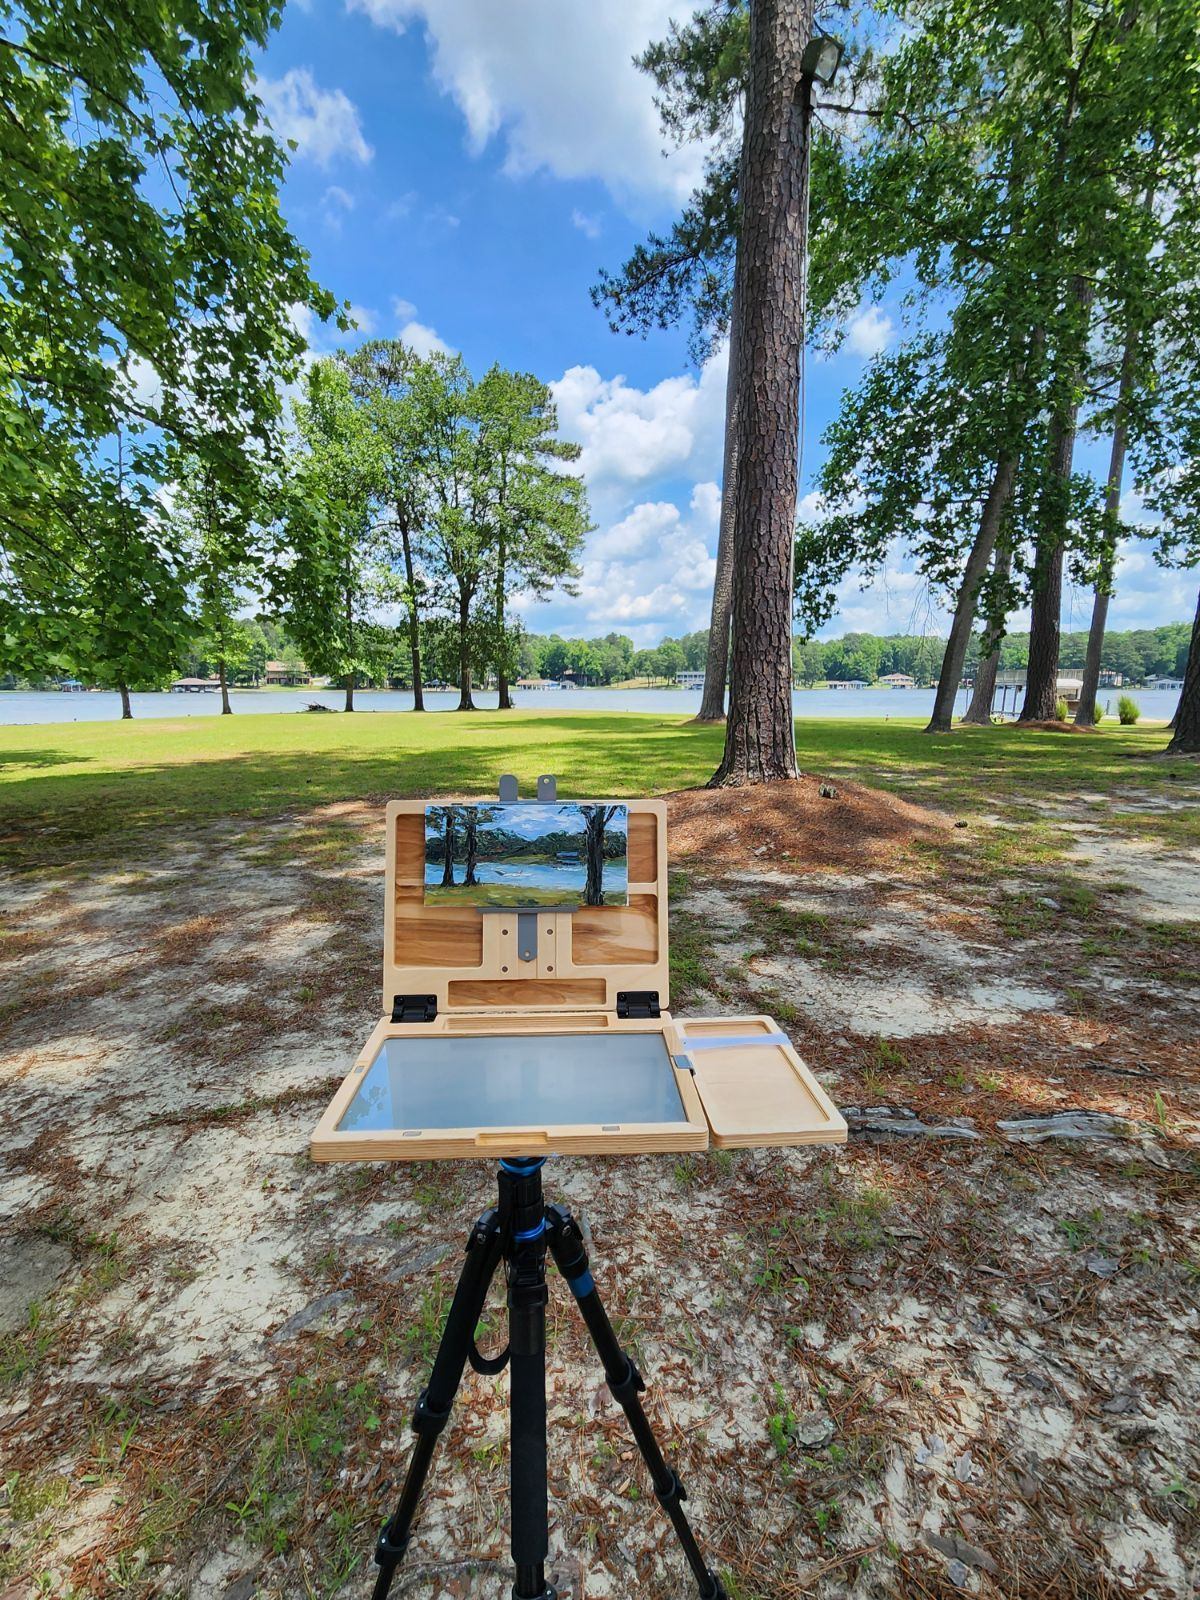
(535,683)
(1164,683)
(898,680)
(1067,686)
(194,685)
(846,683)
(281,674)
(1109,679)
(690,680)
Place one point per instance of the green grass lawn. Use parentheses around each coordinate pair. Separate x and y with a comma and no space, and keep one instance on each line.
(75,790)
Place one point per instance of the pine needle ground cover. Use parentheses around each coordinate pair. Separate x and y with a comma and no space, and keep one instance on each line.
(957,1354)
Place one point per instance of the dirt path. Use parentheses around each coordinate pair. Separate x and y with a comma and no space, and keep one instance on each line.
(956,1356)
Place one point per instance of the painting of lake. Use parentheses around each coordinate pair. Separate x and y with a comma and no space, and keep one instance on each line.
(527,854)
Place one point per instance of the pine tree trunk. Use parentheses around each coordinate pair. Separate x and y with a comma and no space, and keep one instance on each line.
(504,699)
(465,703)
(974,573)
(126,707)
(448,848)
(979,712)
(414,621)
(716,665)
(1186,738)
(471,830)
(1085,715)
(1045,621)
(350,678)
(760,744)
(226,708)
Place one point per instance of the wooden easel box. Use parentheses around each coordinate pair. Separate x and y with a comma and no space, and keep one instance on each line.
(467,959)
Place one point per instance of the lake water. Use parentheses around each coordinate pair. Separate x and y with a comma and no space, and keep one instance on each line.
(536,875)
(20,706)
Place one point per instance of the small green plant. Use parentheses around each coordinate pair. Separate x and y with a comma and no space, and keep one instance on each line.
(781,1424)
(889,1057)
(1097,716)
(1128,710)
(1060,709)
(686,1171)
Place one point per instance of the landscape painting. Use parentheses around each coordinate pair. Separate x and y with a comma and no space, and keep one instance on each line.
(527,855)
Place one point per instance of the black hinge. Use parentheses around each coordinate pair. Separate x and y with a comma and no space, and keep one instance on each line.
(414,1007)
(637,1003)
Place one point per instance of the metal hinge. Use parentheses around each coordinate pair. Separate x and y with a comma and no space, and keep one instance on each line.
(414,1007)
(635,1004)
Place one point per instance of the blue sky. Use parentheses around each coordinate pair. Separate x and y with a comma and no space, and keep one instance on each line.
(463,169)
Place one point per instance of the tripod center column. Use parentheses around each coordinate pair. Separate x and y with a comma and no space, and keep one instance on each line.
(523,1224)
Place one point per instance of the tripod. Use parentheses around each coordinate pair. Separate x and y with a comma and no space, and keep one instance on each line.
(518,1232)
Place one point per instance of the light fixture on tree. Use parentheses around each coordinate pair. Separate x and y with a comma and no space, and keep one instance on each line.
(821,59)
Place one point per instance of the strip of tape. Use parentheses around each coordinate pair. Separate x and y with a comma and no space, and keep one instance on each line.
(734,1041)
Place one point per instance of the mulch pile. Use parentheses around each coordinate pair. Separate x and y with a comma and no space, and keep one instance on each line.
(1051,725)
(850,826)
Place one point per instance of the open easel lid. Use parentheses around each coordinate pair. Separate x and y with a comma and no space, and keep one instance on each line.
(461,958)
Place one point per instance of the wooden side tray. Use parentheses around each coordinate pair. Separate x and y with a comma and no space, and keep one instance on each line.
(756,1093)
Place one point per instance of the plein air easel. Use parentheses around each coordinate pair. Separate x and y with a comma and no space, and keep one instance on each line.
(548,1024)
(518,1232)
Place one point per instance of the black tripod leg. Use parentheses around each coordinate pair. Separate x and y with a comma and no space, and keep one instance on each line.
(523,1207)
(433,1407)
(625,1382)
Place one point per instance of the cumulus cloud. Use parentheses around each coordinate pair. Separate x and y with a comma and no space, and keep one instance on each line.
(869,331)
(631,436)
(586,223)
(560,93)
(336,204)
(418,336)
(323,123)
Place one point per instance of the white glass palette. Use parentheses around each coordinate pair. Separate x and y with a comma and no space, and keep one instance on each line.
(493,1080)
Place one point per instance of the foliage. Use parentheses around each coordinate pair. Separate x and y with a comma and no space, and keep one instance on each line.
(331,573)
(1060,709)
(147,292)
(1128,710)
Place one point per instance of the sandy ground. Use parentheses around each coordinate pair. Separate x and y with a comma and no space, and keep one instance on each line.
(957,1356)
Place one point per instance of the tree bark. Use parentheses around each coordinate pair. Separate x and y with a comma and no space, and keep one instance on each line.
(979,712)
(716,665)
(465,703)
(350,677)
(974,573)
(596,821)
(126,708)
(226,708)
(1085,715)
(414,621)
(1045,621)
(503,698)
(471,830)
(760,745)
(1186,738)
(448,848)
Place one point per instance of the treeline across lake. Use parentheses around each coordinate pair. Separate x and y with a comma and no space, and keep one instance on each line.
(612,658)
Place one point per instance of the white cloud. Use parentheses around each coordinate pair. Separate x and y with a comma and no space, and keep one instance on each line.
(418,336)
(630,435)
(587,224)
(324,123)
(560,90)
(336,204)
(869,331)
(365,320)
